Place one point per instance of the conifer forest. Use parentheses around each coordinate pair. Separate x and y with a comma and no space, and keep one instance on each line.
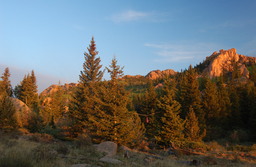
(183,111)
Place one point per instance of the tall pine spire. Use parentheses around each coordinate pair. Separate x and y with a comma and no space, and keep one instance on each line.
(91,67)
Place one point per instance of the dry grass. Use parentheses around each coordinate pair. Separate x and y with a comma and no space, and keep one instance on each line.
(42,151)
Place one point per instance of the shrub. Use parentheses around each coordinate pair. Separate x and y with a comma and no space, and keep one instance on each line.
(241,148)
(83,140)
(197,146)
(44,153)
(215,146)
(62,148)
(239,135)
(41,137)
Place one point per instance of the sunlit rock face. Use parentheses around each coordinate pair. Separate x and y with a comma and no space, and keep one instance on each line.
(222,61)
(158,74)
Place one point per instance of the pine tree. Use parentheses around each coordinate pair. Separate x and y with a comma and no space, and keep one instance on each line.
(172,126)
(5,84)
(91,67)
(27,92)
(252,111)
(7,113)
(7,109)
(210,103)
(54,107)
(148,111)
(192,129)
(113,121)
(85,97)
(190,95)
(225,106)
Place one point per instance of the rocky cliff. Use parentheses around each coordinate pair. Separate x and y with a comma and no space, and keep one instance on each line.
(158,74)
(221,61)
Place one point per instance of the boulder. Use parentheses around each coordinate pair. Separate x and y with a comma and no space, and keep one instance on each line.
(110,160)
(108,147)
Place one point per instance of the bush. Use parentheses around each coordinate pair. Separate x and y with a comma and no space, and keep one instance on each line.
(83,140)
(62,148)
(239,135)
(44,153)
(41,137)
(241,148)
(197,146)
(55,132)
(215,146)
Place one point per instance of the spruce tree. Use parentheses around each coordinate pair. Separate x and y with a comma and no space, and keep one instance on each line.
(252,111)
(148,111)
(84,98)
(190,95)
(7,109)
(27,92)
(7,113)
(225,106)
(113,121)
(91,67)
(210,102)
(172,126)
(5,84)
(54,107)
(192,130)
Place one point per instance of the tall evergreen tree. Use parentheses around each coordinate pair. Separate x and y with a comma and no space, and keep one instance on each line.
(172,126)
(7,113)
(189,95)
(27,91)
(113,121)
(91,67)
(148,111)
(54,107)
(84,99)
(225,106)
(5,84)
(210,102)
(7,109)
(252,111)
(192,129)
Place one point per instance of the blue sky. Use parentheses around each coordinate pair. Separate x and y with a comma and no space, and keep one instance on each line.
(50,36)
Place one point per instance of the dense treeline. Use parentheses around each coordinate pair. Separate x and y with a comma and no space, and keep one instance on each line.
(174,110)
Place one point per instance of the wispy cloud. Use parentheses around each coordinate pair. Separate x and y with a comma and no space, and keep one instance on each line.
(168,52)
(130,15)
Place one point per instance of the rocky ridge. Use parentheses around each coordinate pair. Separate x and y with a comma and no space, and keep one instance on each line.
(158,73)
(222,61)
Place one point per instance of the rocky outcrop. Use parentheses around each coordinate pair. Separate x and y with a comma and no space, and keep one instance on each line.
(23,112)
(222,61)
(132,77)
(159,74)
(54,88)
(107,147)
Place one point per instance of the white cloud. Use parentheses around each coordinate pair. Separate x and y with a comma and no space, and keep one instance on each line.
(130,15)
(181,52)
